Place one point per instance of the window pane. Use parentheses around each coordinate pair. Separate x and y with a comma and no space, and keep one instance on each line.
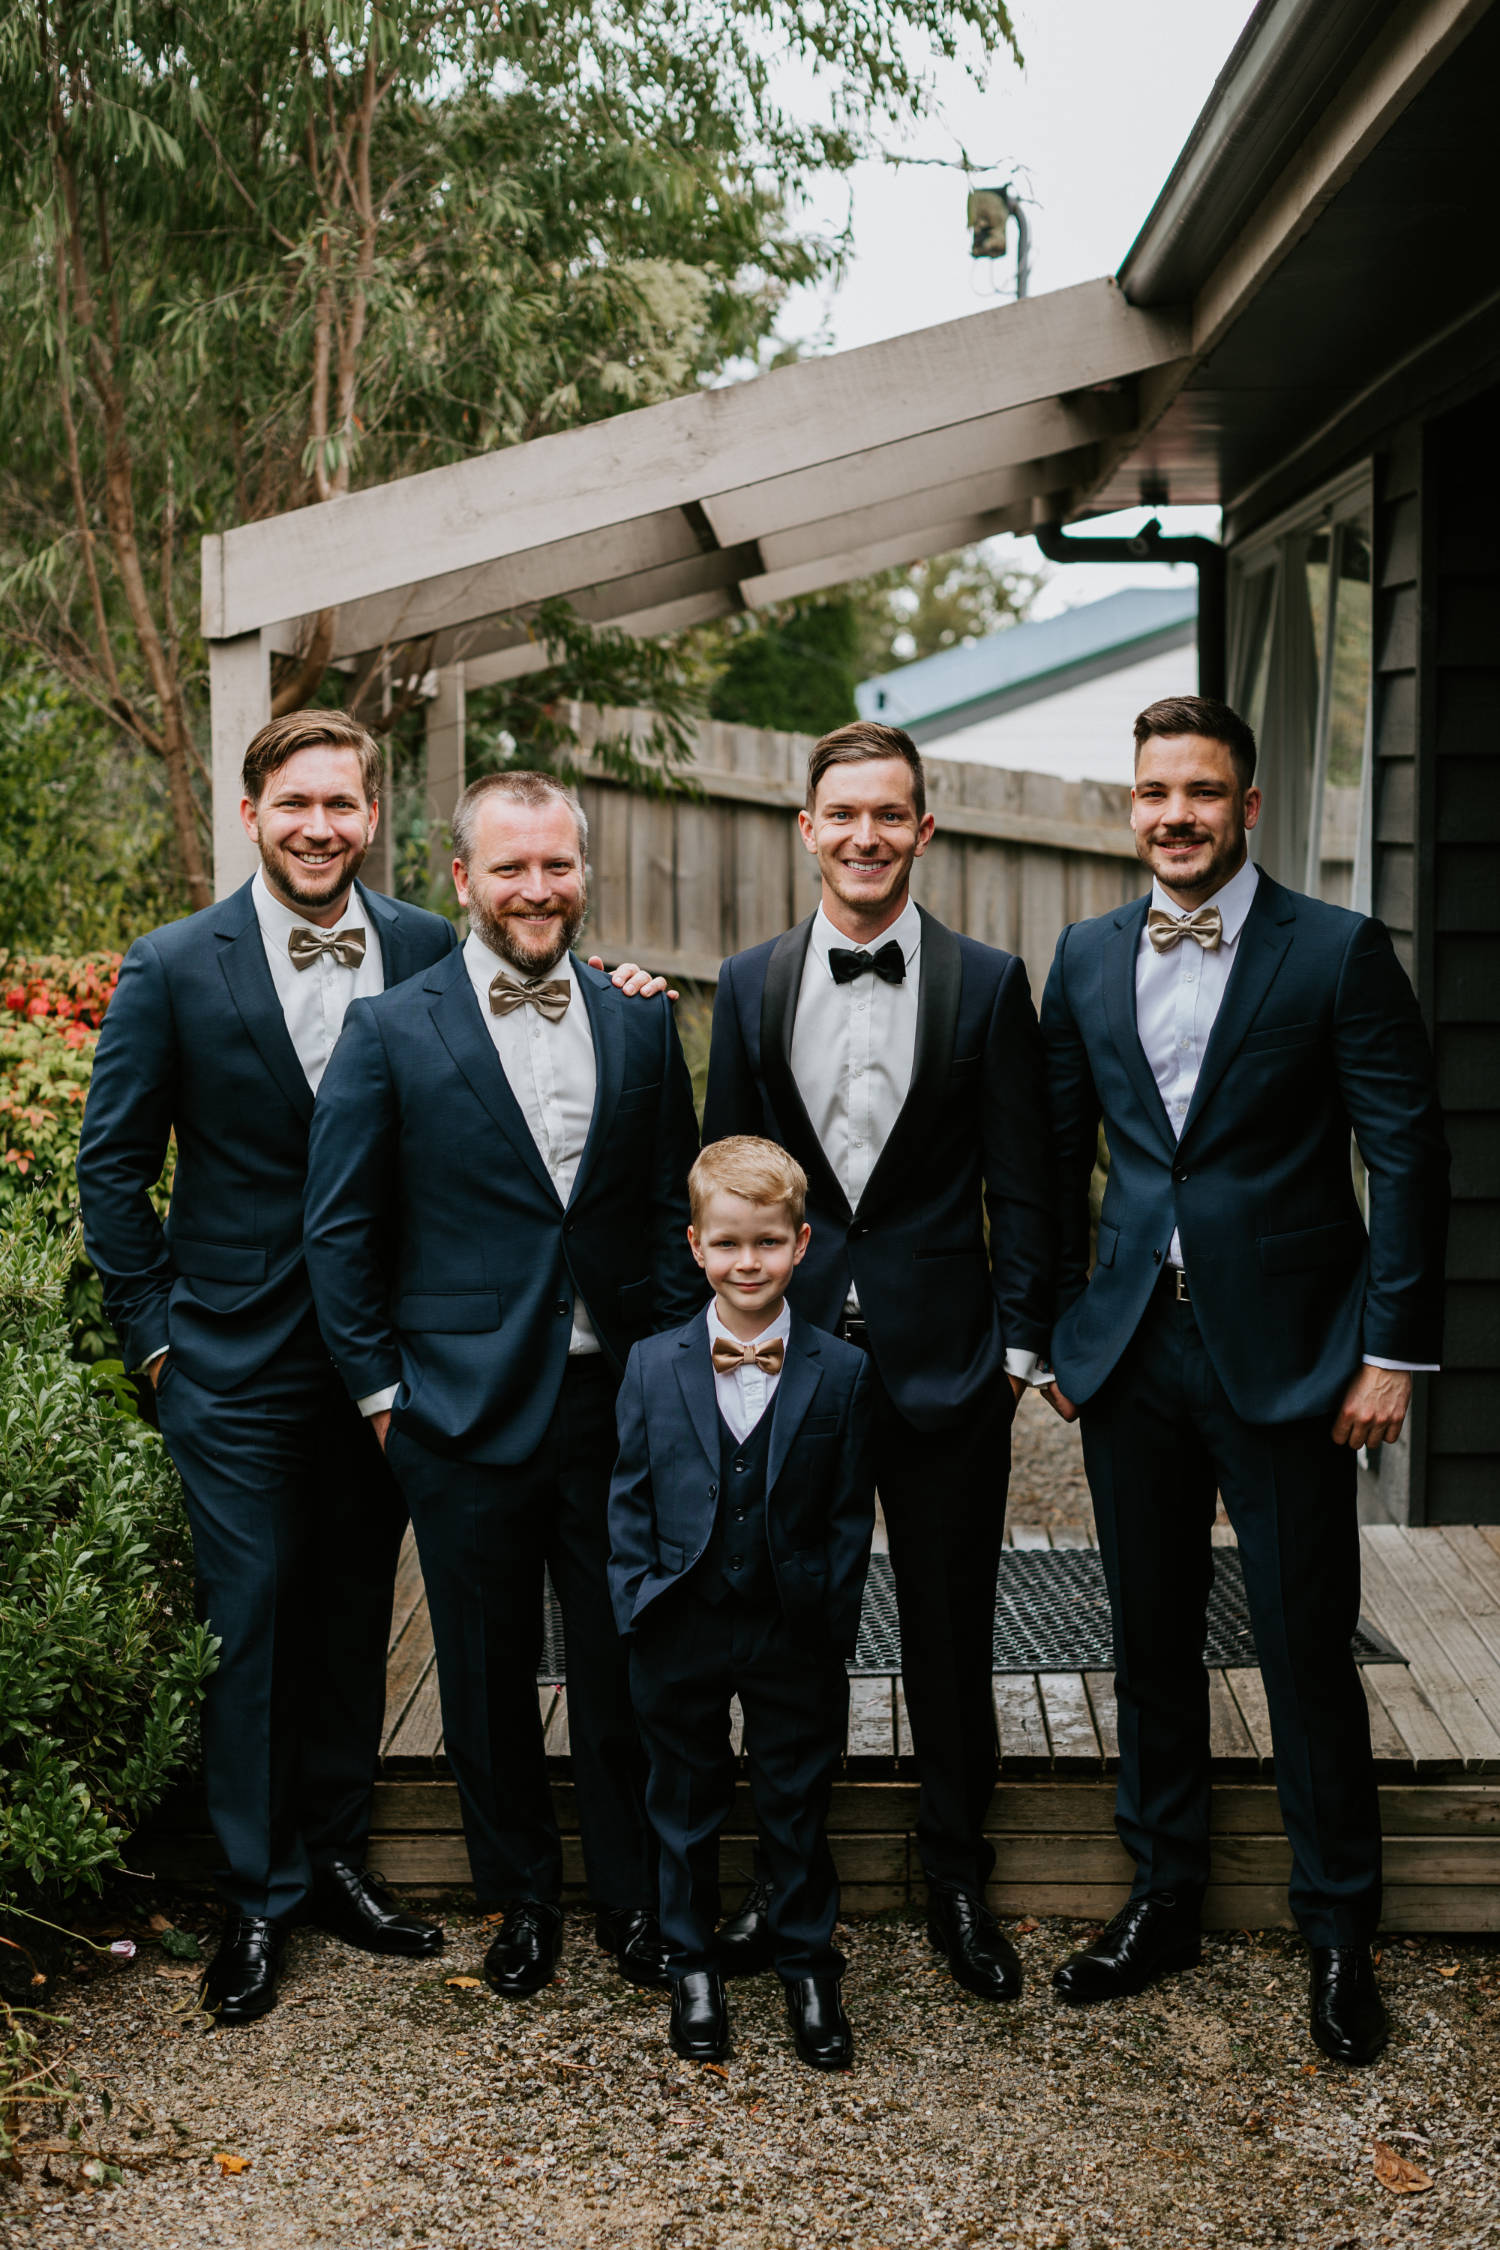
(1349,694)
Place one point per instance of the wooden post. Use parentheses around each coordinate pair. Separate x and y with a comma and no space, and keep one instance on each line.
(239,678)
(445,768)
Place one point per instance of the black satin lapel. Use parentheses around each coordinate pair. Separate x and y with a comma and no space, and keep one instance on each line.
(940,974)
(247,972)
(695,1375)
(456,1017)
(1261,949)
(778,1013)
(800,1377)
(1120,951)
(604,1004)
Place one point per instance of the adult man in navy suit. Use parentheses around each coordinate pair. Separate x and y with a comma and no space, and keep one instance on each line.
(900,1063)
(1246,1328)
(219,1033)
(496,1211)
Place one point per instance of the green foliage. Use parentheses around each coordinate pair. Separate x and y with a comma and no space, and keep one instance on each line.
(794,667)
(101,1661)
(944,602)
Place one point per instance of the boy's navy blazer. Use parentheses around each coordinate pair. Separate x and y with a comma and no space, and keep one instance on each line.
(1318,1034)
(820,1479)
(942,1305)
(441,1256)
(195,1045)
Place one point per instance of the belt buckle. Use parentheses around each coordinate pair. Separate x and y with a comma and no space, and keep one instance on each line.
(1180,1285)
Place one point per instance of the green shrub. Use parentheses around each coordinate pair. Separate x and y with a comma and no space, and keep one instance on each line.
(101,1661)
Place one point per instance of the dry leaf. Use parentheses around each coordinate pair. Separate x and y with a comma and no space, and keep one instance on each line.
(1396,2173)
(465,1984)
(158,1922)
(229,2164)
(1453,1972)
(1024,1929)
(717,2068)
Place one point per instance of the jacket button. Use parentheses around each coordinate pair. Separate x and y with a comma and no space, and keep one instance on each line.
(713,1492)
(1179,1177)
(567,1226)
(1156,1257)
(858,1229)
(561,1308)
(736,1562)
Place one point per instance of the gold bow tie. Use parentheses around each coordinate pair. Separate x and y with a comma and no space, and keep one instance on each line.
(728,1356)
(549,1000)
(1205,923)
(347,947)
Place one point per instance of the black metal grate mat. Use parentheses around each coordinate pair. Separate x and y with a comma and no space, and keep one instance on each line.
(1051,1615)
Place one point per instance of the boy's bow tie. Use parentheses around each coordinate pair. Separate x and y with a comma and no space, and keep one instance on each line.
(728,1355)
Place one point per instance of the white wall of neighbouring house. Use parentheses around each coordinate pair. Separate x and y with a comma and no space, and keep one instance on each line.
(1081,733)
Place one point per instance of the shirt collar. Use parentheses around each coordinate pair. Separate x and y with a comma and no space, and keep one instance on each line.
(482,962)
(906,930)
(277,920)
(781,1326)
(1233,901)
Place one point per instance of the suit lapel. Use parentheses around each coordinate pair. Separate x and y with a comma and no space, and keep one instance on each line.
(248,976)
(778,1014)
(940,974)
(801,1373)
(1259,953)
(695,1377)
(604,1004)
(1122,946)
(394,930)
(456,1018)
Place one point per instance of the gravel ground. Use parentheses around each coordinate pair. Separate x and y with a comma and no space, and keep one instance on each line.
(1047,1483)
(380,2107)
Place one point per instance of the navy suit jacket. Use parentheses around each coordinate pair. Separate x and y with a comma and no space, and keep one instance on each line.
(820,1480)
(195,1044)
(942,1306)
(441,1256)
(1318,1034)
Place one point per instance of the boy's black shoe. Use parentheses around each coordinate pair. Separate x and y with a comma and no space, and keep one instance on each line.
(700,2017)
(980,1955)
(524,1956)
(633,1938)
(819,2024)
(1148,1938)
(1349,2021)
(355,1905)
(239,1983)
(744,1941)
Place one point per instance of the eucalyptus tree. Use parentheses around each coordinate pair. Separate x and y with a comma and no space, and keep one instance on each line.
(254,254)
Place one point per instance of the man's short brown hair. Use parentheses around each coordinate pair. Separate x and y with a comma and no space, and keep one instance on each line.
(311,730)
(521,787)
(1200,714)
(857,745)
(760,1171)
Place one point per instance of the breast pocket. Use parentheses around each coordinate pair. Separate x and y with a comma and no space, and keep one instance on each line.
(1276,1037)
(640,1097)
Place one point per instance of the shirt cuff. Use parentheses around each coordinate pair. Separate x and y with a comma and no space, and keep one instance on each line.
(1020,1364)
(379,1402)
(1403,1366)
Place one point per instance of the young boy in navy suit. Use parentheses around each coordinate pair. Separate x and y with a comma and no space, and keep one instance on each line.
(740,1518)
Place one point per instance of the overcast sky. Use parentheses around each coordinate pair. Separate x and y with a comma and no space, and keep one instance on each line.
(1089,130)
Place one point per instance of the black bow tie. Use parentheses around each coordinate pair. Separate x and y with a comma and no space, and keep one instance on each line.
(848,962)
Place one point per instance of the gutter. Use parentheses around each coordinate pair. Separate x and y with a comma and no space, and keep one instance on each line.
(1150,545)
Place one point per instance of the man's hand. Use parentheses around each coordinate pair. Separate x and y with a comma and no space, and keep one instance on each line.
(1374,1408)
(638,983)
(1059,1402)
(154,1370)
(1018,1387)
(380,1424)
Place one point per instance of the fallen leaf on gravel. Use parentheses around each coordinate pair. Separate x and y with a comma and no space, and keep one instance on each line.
(158,1922)
(717,2068)
(1024,1929)
(1453,1972)
(464,1984)
(229,2164)
(1396,2173)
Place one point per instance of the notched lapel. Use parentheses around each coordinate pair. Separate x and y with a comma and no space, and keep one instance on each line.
(801,1373)
(695,1377)
(1121,949)
(247,973)
(607,1024)
(940,973)
(778,1012)
(456,1018)
(1262,948)
(396,964)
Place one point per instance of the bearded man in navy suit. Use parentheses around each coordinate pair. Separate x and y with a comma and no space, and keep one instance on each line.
(219,1034)
(1246,1327)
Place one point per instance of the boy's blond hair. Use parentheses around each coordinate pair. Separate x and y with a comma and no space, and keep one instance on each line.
(760,1171)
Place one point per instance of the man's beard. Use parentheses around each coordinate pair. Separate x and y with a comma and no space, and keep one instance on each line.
(1225,861)
(503,934)
(289,881)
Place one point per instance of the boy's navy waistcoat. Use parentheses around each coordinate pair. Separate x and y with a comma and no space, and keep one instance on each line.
(819,1507)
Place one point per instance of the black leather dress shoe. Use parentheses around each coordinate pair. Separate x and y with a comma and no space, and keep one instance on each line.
(634,1939)
(1349,2021)
(980,1955)
(744,1941)
(355,1905)
(1147,1939)
(819,2024)
(524,1956)
(239,1983)
(699,2028)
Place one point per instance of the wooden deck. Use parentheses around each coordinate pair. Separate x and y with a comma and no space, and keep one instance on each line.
(1435,1723)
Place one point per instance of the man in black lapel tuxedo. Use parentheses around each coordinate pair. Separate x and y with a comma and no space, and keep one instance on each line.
(219,1033)
(900,1063)
(1246,1328)
(496,1211)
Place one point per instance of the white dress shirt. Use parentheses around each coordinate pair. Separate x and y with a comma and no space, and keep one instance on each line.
(853,1048)
(1177,999)
(745,1395)
(315,1000)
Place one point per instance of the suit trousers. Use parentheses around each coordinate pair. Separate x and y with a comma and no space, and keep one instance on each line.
(485,1534)
(943,1495)
(297,1524)
(1160,1441)
(687,1659)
